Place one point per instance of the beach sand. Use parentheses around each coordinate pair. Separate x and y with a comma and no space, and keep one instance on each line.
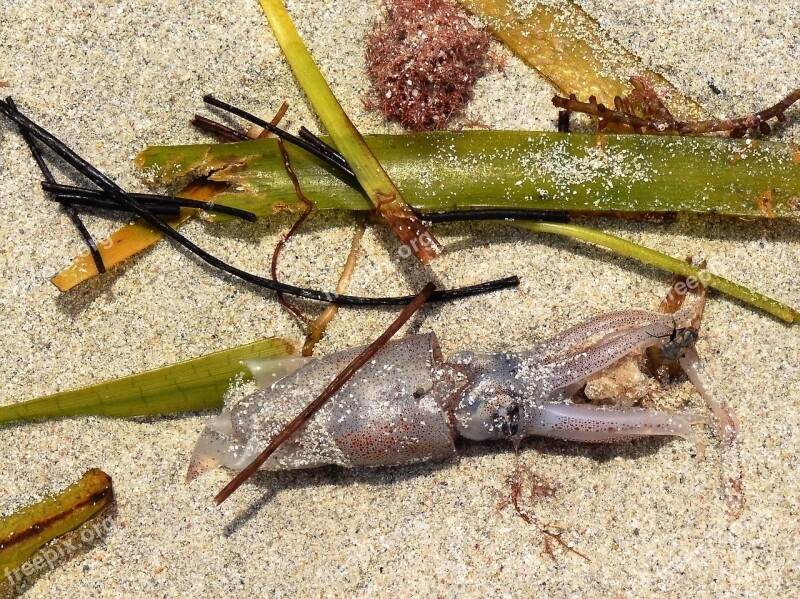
(110,78)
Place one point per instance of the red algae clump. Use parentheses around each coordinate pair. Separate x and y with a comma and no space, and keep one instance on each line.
(423,61)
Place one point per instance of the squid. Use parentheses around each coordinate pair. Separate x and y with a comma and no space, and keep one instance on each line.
(409,404)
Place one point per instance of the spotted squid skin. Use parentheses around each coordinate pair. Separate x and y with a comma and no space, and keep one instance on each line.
(603,424)
(591,330)
(526,394)
(408,405)
(391,412)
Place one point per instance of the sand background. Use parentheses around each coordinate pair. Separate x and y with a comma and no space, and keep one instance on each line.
(110,78)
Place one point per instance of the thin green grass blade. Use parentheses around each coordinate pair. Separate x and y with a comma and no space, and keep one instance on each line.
(345,137)
(197,384)
(443,171)
(665,262)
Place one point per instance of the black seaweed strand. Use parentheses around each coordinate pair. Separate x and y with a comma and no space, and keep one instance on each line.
(68,208)
(73,199)
(483,214)
(335,156)
(563,121)
(151,199)
(118,194)
(284,135)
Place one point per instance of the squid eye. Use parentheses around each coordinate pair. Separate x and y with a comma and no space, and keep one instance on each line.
(490,409)
(680,341)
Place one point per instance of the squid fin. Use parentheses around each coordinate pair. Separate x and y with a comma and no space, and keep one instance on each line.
(266,371)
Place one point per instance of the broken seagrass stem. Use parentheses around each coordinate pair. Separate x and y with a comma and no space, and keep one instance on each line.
(24,532)
(513,169)
(345,137)
(442,171)
(570,50)
(197,384)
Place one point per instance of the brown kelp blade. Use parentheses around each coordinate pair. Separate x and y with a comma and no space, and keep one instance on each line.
(27,530)
(570,50)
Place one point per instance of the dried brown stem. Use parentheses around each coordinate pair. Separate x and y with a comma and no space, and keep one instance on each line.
(308,206)
(230,134)
(407,226)
(653,117)
(317,328)
(337,383)
(216,128)
(256,132)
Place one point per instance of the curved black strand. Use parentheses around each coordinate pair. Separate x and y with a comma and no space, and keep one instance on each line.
(119,195)
(68,208)
(151,199)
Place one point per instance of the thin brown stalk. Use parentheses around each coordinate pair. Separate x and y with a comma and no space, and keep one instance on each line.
(337,383)
(308,206)
(256,132)
(656,118)
(216,128)
(317,328)
(230,134)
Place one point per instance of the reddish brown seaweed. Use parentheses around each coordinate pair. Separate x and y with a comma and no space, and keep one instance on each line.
(423,61)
